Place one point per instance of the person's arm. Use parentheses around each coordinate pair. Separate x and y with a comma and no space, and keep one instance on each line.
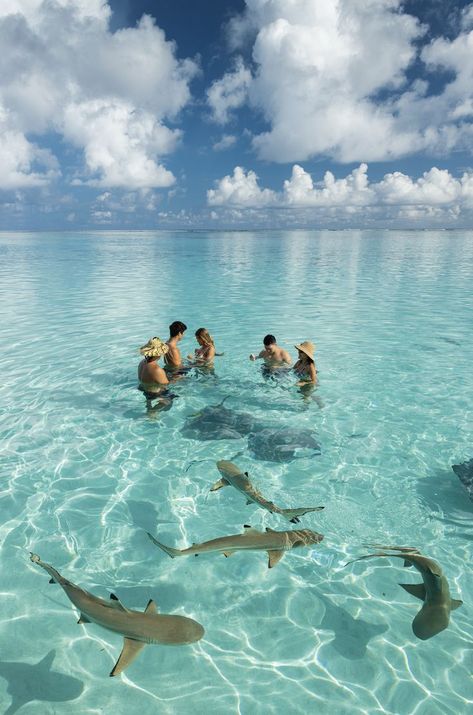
(312,379)
(158,374)
(286,357)
(313,373)
(161,376)
(257,357)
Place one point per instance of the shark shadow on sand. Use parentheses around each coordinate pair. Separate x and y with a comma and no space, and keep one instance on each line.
(29,683)
(352,635)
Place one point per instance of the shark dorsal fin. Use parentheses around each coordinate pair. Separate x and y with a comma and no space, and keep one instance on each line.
(47,661)
(250,530)
(115,603)
(151,607)
(274,557)
(415,589)
(129,652)
(455,603)
(246,474)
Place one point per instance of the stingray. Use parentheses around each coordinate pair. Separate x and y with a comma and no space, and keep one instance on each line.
(219,422)
(464,472)
(282,444)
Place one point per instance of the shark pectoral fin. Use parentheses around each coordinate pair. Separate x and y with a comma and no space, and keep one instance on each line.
(83,619)
(227,554)
(270,530)
(274,557)
(129,652)
(151,607)
(455,603)
(115,603)
(219,485)
(407,563)
(250,530)
(415,589)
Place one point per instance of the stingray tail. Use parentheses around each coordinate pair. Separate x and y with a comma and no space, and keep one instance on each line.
(167,549)
(293,514)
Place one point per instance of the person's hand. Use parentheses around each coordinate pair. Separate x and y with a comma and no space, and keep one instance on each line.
(252,357)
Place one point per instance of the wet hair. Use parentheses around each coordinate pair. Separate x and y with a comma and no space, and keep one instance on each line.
(176,327)
(269,340)
(204,335)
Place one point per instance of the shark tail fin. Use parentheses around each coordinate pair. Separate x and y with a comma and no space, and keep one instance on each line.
(167,549)
(293,514)
(455,603)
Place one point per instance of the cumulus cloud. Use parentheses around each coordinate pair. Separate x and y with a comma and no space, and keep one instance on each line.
(241,189)
(331,79)
(62,70)
(24,164)
(229,93)
(225,142)
(432,194)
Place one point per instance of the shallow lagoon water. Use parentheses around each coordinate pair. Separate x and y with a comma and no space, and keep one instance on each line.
(85,471)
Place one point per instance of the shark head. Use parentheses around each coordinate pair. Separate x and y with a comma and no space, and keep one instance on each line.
(304,537)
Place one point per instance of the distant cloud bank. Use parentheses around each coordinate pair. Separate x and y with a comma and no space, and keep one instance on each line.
(435,189)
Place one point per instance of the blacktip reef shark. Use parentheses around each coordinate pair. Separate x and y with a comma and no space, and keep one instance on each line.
(233,476)
(434,616)
(274,542)
(137,628)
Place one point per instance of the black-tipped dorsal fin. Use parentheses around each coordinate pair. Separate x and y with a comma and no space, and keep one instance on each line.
(129,652)
(250,529)
(274,557)
(455,603)
(415,589)
(151,607)
(115,603)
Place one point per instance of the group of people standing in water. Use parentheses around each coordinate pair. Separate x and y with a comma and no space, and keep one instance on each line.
(154,379)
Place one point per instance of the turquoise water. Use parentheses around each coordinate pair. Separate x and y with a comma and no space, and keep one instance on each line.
(85,471)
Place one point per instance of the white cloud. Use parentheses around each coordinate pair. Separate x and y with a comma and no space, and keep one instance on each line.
(110,94)
(330,78)
(21,162)
(229,93)
(435,194)
(120,143)
(241,189)
(225,142)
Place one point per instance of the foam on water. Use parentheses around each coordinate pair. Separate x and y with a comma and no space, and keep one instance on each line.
(86,472)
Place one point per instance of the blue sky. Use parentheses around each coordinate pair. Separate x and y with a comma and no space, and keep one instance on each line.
(247,113)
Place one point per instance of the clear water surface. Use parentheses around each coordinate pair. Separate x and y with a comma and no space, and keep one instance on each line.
(85,471)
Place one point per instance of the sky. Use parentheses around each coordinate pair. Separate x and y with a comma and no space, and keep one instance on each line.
(235,114)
